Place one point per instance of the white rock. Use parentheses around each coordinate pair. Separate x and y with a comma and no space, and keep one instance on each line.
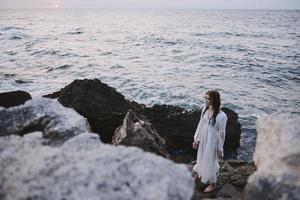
(277,157)
(83,168)
(48,116)
(278,136)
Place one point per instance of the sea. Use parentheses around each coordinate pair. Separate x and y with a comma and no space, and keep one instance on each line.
(161,57)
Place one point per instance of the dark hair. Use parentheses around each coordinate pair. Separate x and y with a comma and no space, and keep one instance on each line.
(216,103)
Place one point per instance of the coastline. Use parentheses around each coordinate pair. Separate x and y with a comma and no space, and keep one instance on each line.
(90,111)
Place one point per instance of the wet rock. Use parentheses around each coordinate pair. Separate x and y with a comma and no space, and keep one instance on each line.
(229,191)
(84,169)
(102,105)
(139,133)
(231,180)
(177,126)
(56,122)
(53,95)
(14,98)
(277,157)
(105,110)
(233,130)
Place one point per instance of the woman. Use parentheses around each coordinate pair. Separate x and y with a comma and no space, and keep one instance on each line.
(209,140)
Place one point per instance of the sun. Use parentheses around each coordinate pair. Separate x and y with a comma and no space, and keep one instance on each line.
(57,4)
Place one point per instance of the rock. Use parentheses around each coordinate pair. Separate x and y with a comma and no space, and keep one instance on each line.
(84,169)
(177,126)
(139,133)
(105,110)
(53,95)
(102,105)
(231,180)
(229,191)
(19,81)
(277,157)
(233,130)
(56,122)
(14,98)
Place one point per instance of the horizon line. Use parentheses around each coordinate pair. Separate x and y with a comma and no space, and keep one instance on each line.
(61,9)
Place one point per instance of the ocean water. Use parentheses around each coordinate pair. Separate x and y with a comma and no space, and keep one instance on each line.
(160,56)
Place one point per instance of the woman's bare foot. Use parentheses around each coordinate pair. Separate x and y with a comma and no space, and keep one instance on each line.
(197,178)
(210,188)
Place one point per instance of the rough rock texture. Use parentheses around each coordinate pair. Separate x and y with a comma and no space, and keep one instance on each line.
(105,110)
(277,157)
(177,126)
(233,130)
(14,98)
(85,168)
(231,180)
(102,105)
(56,122)
(136,132)
(53,95)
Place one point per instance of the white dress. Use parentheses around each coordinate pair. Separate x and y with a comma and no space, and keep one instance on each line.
(210,139)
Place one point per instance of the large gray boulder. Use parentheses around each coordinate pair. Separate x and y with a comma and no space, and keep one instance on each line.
(56,122)
(277,157)
(85,168)
(139,133)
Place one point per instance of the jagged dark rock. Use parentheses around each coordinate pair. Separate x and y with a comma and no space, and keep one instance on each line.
(103,106)
(105,109)
(53,95)
(177,126)
(233,130)
(13,98)
(136,132)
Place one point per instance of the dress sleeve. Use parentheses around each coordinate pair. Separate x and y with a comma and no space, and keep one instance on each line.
(198,130)
(221,126)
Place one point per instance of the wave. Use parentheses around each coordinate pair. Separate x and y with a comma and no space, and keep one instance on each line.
(75,33)
(222,34)
(162,41)
(10,28)
(65,66)
(13,32)
(50,52)
(20,81)
(15,37)
(117,66)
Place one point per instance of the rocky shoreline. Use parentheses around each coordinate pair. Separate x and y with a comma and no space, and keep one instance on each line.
(105,109)
(87,128)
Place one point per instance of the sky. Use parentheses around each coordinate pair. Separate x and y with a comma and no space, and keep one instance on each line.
(150,4)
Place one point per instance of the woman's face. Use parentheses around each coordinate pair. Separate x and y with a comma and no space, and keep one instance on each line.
(207,100)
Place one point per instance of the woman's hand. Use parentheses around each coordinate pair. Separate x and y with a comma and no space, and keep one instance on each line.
(195,145)
(219,154)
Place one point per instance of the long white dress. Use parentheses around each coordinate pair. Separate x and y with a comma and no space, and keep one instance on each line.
(210,139)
